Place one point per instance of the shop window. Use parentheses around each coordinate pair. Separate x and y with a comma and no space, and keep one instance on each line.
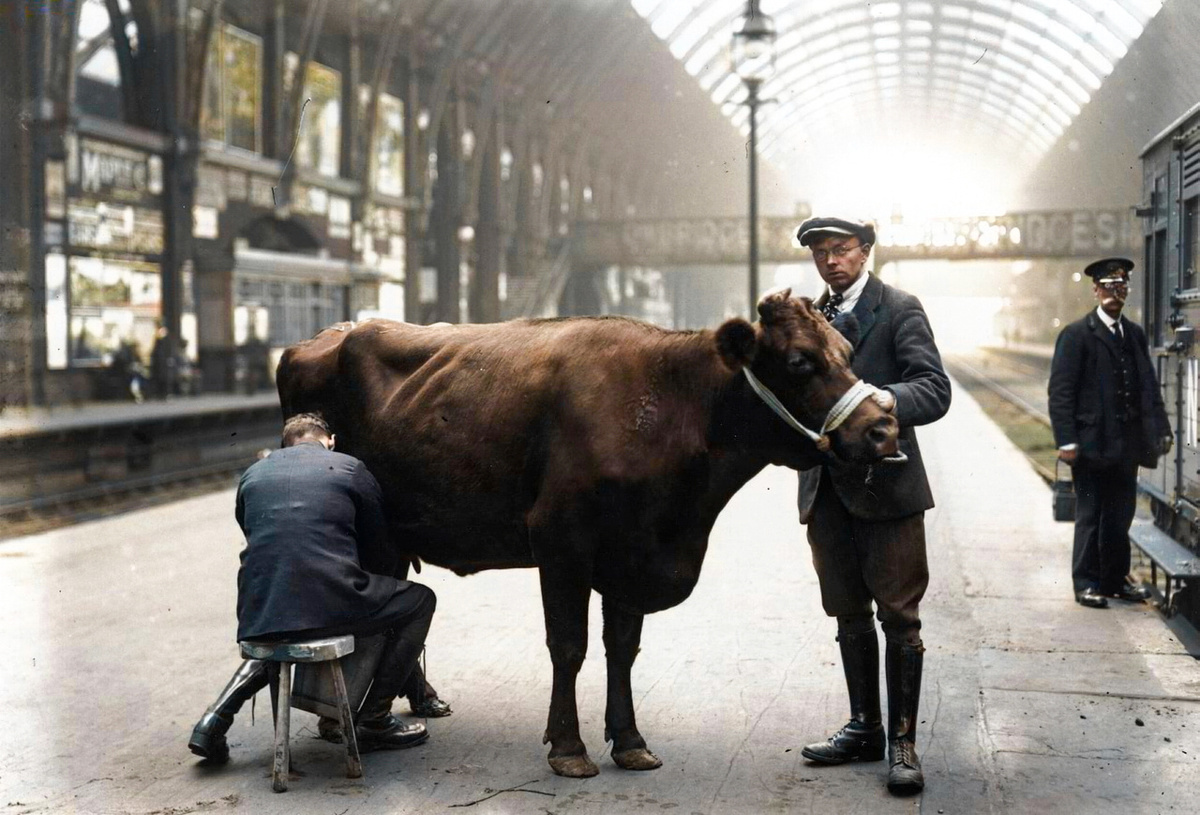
(319,143)
(112,304)
(233,89)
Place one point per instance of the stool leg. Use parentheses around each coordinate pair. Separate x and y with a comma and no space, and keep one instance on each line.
(353,761)
(283,763)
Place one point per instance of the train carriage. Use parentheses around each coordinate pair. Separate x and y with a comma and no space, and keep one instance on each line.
(1170,301)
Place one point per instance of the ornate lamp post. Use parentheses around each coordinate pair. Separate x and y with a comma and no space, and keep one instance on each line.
(753,60)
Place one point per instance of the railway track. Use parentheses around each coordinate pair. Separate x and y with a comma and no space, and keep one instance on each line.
(1010,386)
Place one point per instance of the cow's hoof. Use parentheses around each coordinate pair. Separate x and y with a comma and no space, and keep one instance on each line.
(639,758)
(574,766)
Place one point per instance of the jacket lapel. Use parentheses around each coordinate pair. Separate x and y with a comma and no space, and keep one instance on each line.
(867,305)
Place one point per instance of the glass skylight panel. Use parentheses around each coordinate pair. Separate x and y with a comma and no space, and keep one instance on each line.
(1008,59)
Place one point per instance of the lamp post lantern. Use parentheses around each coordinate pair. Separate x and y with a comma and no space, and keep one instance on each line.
(753,60)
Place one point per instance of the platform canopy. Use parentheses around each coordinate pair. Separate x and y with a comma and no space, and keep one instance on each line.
(987,77)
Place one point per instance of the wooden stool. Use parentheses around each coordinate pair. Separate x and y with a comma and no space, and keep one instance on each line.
(326,651)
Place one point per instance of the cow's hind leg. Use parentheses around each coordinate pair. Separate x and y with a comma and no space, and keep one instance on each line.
(622,636)
(566,589)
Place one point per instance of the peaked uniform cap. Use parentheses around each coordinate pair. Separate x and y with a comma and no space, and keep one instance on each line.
(814,228)
(1100,268)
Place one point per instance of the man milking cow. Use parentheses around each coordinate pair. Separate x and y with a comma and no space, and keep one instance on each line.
(866,523)
(318,563)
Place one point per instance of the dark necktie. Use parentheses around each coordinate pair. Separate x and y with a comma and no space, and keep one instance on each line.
(1117,332)
(830,309)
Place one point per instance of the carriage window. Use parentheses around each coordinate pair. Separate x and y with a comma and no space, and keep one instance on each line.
(1191,242)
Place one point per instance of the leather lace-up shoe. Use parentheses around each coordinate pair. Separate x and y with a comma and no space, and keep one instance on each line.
(904,774)
(1130,593)
(1091,598)
(854,742)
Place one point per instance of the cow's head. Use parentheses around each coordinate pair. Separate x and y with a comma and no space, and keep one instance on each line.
(805,363)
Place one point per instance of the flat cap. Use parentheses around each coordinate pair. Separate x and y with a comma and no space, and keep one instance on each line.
(814,228)
(1101,268)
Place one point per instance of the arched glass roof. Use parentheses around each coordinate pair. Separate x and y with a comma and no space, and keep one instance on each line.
(1010,75)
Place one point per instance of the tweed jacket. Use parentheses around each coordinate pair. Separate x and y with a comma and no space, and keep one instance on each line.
(1083,389)
(317,553)
(895,351)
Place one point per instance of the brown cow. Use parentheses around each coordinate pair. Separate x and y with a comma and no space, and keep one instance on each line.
(599,450)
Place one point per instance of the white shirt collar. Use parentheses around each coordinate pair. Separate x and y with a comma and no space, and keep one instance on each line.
(850,296)
(1109,322)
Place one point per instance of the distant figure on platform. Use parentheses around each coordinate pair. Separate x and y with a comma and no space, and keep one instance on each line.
(1108,418)
(162,363)
(317,563)
(866,525)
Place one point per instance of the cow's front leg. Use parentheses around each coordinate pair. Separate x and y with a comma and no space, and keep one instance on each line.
(565,592)
(622,637)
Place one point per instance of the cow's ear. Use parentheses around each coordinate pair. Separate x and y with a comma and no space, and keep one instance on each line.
(847,325)
(736,342)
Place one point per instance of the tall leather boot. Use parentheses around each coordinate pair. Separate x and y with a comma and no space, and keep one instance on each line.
(862,737)
(208,736)
(375,727)
(903,668)
(423,700)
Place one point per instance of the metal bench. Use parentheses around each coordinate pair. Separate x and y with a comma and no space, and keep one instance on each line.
(1177,562)
(326,654)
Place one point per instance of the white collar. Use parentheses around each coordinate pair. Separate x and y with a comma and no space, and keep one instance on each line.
(1109,322)
(850,295)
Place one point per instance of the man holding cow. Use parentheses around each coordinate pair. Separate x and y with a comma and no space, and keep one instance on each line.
(866,523)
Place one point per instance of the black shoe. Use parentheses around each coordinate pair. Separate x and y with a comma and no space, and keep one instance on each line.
(430,707)
(389,733)
(1129,593)
(1091,598)
(854,742)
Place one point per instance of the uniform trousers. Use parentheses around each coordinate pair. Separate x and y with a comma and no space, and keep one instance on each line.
(1105,501)
(860,562)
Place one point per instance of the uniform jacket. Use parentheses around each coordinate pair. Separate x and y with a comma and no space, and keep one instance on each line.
(1083,393)
(317,553)
(895,349)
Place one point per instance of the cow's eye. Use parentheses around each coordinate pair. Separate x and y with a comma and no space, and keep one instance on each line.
(800,364)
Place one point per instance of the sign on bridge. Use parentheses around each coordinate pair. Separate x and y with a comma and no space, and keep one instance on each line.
(719,241)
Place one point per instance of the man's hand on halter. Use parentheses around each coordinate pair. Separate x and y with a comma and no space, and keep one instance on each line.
(885,399)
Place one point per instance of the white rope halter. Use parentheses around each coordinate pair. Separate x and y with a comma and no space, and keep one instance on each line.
(839,413)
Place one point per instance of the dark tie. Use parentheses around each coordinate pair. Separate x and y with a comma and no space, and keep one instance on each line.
(830,309)
(1117,332)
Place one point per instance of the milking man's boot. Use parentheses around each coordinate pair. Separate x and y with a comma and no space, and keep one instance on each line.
(862,737)
(375,727)
(903,668)
(208,736)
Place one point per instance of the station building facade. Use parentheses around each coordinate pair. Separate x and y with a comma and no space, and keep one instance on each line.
(226,178)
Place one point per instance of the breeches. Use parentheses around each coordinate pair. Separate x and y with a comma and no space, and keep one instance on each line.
(860,562)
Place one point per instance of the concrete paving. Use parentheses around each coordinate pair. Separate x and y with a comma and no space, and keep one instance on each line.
(118,633)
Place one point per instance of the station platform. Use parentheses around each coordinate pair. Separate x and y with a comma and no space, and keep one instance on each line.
(118,633)
(16,422)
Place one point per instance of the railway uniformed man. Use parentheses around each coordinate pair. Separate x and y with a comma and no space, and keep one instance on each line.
(318,563)
(1108,417)
(866,525)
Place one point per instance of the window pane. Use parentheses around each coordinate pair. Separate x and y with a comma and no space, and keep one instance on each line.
(212,115)
(389,155)
(243,82)
(319,143)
